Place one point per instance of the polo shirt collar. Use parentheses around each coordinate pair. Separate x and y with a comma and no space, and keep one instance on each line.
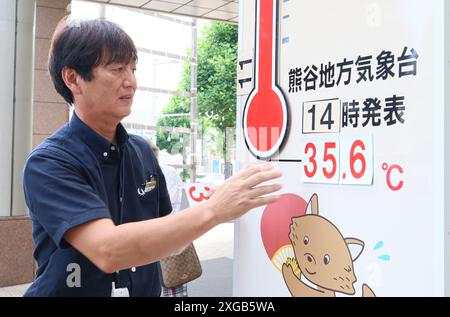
(98,144)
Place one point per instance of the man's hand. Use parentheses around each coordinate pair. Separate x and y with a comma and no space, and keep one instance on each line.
(240,193)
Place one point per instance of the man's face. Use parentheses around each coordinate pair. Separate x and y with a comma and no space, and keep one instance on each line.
(110,93)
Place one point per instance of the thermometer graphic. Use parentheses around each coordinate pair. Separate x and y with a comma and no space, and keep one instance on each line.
(265,112)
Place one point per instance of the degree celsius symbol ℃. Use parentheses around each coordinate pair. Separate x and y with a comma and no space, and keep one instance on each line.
(265,112)
(389,169)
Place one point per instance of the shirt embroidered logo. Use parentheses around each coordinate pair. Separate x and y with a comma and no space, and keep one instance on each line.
(147,187)
(140,191)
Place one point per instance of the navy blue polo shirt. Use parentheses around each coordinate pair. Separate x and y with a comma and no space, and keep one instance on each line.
(77,176)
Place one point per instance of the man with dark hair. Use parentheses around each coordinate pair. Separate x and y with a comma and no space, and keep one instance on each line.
(96,194)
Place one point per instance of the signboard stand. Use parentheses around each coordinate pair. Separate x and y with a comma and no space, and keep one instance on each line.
(359,124)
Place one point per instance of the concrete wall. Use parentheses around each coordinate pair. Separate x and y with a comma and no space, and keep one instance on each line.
(50,112)
(16,246)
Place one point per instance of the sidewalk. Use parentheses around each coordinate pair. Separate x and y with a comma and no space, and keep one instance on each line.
(13,291)
(215,250)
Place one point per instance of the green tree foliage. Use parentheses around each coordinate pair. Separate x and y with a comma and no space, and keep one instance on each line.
(217,55)
(216,81)
(171,140)
(177,105)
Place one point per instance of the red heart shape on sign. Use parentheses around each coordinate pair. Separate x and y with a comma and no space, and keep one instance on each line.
(275,226)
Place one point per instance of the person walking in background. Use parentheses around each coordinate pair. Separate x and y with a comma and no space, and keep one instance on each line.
(175,187)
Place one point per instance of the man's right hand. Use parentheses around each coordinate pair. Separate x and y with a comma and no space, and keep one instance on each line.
(240,193)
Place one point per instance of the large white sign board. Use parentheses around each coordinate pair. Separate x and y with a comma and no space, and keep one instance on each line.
(364,85)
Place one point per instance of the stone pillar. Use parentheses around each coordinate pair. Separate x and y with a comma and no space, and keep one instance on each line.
(16,89)
(50,110)
(28,116)
(24,66)
(7,61)
(16,249)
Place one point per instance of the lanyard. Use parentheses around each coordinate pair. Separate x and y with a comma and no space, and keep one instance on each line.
(121,199)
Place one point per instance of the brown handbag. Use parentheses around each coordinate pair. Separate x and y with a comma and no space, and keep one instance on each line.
(178,269)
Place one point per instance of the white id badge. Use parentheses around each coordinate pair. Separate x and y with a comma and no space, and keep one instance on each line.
(119,292)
